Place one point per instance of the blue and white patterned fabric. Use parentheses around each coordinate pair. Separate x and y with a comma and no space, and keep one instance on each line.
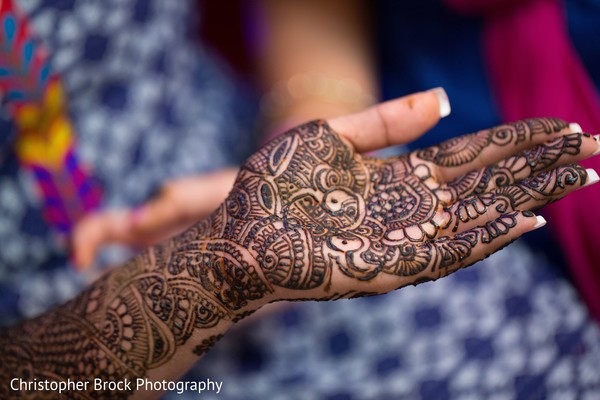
(148,104)
(510,327)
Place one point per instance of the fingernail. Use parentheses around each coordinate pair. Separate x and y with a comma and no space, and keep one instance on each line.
(137,214)
(597,137)
(574,127)
(592,177)
(442,96)
(77,264)
(541,221)
(73,261)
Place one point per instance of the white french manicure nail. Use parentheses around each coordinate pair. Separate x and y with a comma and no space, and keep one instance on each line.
(597,138)
(574,127)
(541,221)
(592,177)
(442,96)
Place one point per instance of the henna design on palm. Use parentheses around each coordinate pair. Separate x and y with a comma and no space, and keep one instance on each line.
(307,219)
(307,207)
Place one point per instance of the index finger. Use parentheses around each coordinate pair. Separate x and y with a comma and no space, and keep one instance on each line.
(457,156)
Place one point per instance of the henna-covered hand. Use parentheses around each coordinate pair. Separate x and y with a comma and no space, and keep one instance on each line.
(309,217)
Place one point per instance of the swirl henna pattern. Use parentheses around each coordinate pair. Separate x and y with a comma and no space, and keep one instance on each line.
(308,218)
(306,206)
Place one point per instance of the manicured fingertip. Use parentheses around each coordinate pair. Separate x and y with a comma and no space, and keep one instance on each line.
(592,177)
(443,101)
(73,262)
(137,215)
(79,262)
(541,221)
(574,127)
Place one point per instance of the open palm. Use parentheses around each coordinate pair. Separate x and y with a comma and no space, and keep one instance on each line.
(310,217)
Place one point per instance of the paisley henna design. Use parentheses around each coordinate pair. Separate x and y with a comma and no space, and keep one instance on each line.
(522,181)
(531,193)
(308,218)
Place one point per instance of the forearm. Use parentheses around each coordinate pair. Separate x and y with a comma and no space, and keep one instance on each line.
(150,318)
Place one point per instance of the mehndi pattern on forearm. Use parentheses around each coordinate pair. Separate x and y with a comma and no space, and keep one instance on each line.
(131,321)
(306,216)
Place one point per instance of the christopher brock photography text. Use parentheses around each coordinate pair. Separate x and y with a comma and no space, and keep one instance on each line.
(97,384)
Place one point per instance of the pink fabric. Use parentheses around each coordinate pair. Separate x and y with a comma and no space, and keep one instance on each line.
(535,71)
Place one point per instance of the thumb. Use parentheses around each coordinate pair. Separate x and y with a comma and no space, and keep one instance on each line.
(182,202)
(393,122)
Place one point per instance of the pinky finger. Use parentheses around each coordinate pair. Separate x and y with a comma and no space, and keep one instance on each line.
(451,253)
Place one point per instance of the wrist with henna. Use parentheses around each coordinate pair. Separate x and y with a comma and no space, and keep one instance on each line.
(172,302)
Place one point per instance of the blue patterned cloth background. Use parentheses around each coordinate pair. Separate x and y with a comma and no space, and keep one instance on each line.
(510,327)
(150,104)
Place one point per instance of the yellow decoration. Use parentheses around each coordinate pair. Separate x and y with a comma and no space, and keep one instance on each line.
(28,116)
(45,132)
(49,150)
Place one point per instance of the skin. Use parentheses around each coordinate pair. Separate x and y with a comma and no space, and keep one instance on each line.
(336,45)
(309,218)
(180,203)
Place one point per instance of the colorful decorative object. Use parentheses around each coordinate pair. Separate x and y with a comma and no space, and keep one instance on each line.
(45,143)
